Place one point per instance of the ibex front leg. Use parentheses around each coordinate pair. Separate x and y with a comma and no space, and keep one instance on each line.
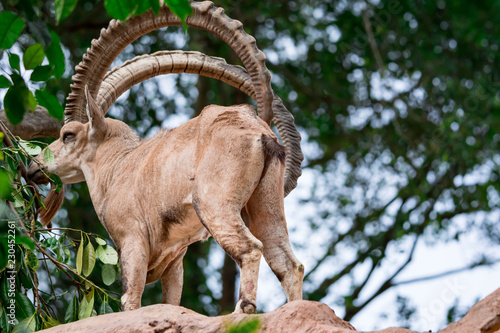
(134,262)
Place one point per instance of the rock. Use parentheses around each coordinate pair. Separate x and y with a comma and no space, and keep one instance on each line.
(298,316)
(484,317)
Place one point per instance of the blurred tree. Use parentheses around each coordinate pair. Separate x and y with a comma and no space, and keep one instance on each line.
(398,103)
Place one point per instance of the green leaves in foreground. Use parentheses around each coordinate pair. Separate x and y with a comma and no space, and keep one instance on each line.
(33,56)
(181,8)
(64,8)
(51,103)
(88,261)
(4,82)
(55,55)
(107,254)
(86,305)
(18,100)
(124,9)
(108,274)
(71,314)
(5,185)
(248,326)
(11,27)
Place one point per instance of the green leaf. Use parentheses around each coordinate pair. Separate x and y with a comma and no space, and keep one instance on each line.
(17,102)
(71,314)
(155,5)
(4,322)
(108,274)
(4,247)
(88,261)
(86,305)
(51,103)
(31,101)
(57,182)
(107,254)
(11,27)
(25,278)
(25,241)
(79,257)
(4,290)
(31,260)
(181,8)
(148,4)
(100,241)
(41,73)
(33,56)
(27,325)
(5,186)
(14,61)
(55,55)
(24,307)
(30,147)
(248,326)
(48,155)
(50,322)
(62,253)
(105,308)
(64,8)
(120,9)
(4,82)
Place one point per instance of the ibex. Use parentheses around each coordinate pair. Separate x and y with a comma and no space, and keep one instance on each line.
(221,174)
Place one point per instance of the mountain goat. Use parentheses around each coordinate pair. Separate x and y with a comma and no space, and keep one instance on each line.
(221,174)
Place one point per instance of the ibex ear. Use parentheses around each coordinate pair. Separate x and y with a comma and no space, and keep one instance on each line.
(97,123)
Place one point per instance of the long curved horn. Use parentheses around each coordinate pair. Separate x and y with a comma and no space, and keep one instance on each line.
(122,78)
(119,34)
(141,68)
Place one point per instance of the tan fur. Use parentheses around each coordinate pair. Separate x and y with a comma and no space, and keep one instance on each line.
(52,204)
(155,197)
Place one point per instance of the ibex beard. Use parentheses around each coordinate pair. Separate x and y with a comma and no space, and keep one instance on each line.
(220,174)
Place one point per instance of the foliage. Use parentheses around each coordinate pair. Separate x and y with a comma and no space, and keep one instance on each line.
(34,251)
(247,326)
(19,99)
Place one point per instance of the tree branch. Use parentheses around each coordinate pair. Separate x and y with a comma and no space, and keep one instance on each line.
(449,272)
(373,43)
(36,124)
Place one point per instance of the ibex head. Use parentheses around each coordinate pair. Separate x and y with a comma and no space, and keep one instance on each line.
(75,148)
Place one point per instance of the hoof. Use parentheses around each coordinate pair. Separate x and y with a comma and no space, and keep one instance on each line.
(244,306)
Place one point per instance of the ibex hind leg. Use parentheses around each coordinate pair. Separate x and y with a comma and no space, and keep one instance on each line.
(220,192)
(230,232)
(268,224)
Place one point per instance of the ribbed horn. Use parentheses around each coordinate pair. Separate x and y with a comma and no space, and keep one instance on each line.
(141,68)
(122,78)
(118,35)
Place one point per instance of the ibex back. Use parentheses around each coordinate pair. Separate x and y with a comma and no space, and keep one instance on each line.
(219,174)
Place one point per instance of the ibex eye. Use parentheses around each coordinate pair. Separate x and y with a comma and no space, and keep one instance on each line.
(68,136)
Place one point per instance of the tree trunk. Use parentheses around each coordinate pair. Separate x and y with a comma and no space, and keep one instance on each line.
(229,272)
